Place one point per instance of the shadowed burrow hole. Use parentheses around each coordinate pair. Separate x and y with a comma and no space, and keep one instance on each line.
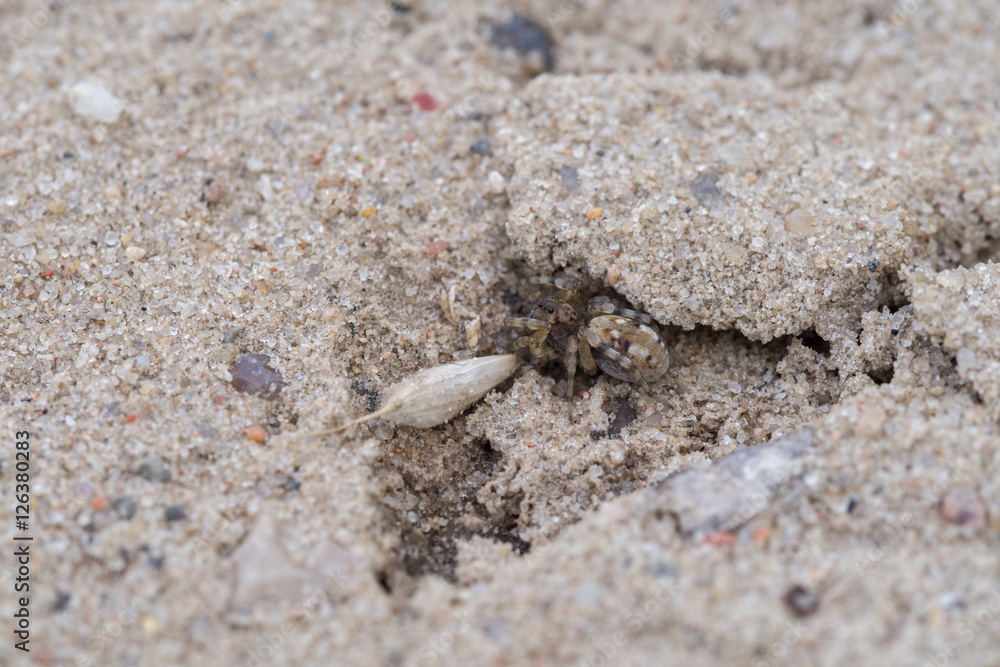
(815,342)
(429,484)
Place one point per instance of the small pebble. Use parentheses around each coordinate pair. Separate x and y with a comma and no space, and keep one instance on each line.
(614,273)
(570,178)
(963,507)
(135,253)
(256,433)
(175,513)
(435,248)
(496,182)
(801,601)
(154,469)
(214,190)
(481,147)
(705,190)
(252,375)
(425,101)
(124,507)
(799,221)
(526,37)
(595,213)
(95,102)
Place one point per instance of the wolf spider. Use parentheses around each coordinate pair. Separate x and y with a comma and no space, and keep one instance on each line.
(623,343)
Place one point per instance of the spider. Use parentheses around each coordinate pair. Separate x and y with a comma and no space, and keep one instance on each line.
(621,342)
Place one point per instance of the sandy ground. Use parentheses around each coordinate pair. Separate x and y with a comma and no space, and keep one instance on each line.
(805,196)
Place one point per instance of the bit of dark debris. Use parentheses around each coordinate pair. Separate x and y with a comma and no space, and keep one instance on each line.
(124,507)
(481,147)
(175,513)
(801,601)
(526,37)
(624,416)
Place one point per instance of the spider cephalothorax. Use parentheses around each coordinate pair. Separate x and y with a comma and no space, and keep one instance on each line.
(621,342)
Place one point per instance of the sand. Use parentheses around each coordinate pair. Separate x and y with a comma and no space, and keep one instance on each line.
(225,225)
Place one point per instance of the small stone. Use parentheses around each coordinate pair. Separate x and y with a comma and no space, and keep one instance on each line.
(425,101)
(135,253)
(963,507)
(368,212)
(526,37)
(799,221)
(496,182)
(705,190)
(435,248)
(175,513)
(384,431)
(154,469)
(95,102)
(614,273)
(595,213)
(570,178)
(252,375)
(214,190)
(56,207)
(481,147)
(124,507)
(256,433)
(801,601)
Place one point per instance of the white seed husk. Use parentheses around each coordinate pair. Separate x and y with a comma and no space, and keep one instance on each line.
(434,395)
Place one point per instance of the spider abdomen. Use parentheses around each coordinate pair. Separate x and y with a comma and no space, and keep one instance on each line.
(640,343)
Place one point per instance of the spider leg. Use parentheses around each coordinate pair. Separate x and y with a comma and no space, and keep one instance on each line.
(586,358)
(527,323)
(571,351)
(624,363)
(605,306)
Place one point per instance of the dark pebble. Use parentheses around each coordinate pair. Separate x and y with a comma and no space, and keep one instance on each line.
(175,513)
(481,147)
(524,36)
(252,375)
(124,507)
(801,601)
(60,602)
(291,484)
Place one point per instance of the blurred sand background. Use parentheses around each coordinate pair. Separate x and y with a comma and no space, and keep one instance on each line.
(805,195)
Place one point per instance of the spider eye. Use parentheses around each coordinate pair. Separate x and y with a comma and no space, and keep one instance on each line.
(550,309)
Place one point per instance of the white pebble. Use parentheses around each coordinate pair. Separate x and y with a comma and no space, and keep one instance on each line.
(95,102)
